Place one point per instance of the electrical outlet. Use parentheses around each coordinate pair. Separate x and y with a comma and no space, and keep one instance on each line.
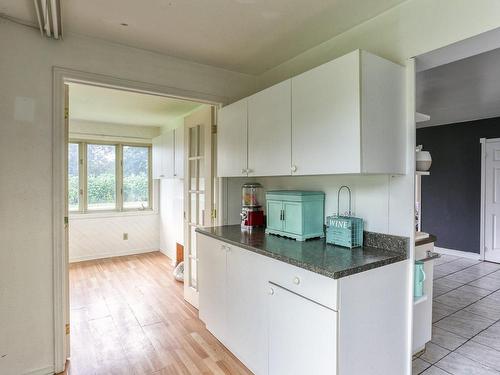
(125,236)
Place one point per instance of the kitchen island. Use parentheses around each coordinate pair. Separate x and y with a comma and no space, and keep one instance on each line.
(289,307)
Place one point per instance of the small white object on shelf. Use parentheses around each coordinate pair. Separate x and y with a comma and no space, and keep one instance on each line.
(423,159)
(417,300)
(422,173)
(421,235)
(421,117)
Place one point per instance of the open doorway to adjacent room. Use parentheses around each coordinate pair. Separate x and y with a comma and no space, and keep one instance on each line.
(139,181)
(456,315)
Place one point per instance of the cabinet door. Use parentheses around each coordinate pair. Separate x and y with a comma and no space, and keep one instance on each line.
(167,154)
(274,215)
(247,283)
(296,345)
(232,140)
(269,131)
(212,284)
(156,157)
(292,217)
(179,152)
(326,118)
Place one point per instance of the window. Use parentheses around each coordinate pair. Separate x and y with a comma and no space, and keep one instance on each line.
(73,177)
(108,177)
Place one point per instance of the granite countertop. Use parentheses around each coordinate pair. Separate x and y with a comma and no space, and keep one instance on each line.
(316,255)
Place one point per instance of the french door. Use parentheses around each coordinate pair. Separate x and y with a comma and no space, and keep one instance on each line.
(198,191)
(492,201)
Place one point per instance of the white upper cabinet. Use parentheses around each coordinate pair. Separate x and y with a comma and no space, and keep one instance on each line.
(348,116)
(343,117)
(156,157)
(269,131)
(179,152)
(163,155)
(232,140)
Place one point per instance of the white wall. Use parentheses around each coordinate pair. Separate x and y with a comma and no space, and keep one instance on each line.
(26,261)
(88,130)
(26,264)
(171,215)
(94,237)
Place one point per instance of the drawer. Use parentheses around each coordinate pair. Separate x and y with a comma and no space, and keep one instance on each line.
(421,251)
(318,288)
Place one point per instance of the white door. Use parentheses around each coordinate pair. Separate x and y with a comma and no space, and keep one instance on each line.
(246,306)
(232,140)
(492,202)
(270,131)
(298,345)
(198,190)
(326,118)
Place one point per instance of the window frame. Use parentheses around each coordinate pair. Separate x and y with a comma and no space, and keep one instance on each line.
(82,177)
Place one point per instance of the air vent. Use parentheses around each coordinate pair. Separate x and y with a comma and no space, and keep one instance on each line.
(49,17)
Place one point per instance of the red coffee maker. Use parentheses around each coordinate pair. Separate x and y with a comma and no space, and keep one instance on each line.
(252,200)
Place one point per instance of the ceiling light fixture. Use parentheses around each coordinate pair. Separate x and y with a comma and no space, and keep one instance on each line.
(48,13)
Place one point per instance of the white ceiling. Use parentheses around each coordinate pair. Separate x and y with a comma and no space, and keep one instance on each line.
(249,36)
(99,104)
(464,90)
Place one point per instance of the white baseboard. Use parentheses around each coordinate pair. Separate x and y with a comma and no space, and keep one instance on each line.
(458,253)
(41,371)
(82,258)
(169,254)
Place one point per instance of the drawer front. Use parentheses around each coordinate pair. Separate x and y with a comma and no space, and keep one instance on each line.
(318,288)
(421,251)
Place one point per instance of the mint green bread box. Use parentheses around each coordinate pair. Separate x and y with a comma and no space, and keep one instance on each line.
(295,214)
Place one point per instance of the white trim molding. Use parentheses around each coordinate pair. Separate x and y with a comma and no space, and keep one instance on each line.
(483,201)
(457,253)
(41,371)
(60,77)
(112,255)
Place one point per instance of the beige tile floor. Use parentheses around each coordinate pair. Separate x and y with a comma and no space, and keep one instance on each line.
(466,319)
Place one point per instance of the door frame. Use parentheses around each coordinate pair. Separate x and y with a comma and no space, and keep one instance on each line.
(60,251)
(482,231)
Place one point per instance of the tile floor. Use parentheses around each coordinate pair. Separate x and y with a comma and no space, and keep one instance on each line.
(466,319)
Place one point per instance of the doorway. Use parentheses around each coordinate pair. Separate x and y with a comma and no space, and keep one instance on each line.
(62,78)
(491,199)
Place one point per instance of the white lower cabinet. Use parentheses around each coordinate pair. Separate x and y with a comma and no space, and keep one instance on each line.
(302,335)
(212,292)
(279,319)
(246,308)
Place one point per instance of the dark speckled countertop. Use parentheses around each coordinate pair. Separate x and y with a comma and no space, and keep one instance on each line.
(316,255)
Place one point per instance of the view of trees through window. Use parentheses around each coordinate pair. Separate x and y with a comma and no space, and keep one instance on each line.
(73,177)
(135,177)
(101,175)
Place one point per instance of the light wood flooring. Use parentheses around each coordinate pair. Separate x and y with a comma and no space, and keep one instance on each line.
(128,316)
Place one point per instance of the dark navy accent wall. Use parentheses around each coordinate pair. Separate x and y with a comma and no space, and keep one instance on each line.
(451,195)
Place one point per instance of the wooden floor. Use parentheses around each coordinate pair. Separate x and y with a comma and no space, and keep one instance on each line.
(128,316)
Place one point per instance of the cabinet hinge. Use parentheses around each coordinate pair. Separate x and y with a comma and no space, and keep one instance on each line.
(214,129)
(214,213)
(67,329)
(66,113)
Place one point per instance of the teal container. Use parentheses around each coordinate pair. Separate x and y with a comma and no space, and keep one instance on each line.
(295,214)
(344,230)
(419,278)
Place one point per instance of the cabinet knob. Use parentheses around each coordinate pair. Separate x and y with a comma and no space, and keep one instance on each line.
(271,291)
(296,280)
(249,170)
(228,249)
(162,175)
(294,168)
(243,171)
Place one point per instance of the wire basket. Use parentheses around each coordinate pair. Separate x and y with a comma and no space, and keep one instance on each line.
(344,230)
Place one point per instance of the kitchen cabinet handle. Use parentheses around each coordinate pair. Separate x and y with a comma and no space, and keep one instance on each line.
(282,215)
(249,170)
(271,291)
(293,168)
(296,280)
(243,171)
(228,249)
(223,247)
